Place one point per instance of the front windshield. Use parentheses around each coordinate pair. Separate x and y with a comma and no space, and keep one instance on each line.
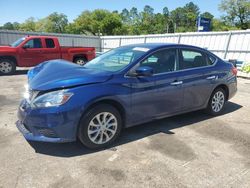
(18,42)
(117,59)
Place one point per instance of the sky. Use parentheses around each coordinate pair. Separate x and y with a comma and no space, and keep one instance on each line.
(20,10)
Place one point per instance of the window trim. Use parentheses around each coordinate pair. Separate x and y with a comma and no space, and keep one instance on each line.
(126,75)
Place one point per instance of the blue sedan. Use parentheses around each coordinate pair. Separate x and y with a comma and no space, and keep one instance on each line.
(127,86)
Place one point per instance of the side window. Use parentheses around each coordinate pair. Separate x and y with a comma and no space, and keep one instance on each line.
(191,59)
(211,60)
(34,43)
(50,43)
(161,61)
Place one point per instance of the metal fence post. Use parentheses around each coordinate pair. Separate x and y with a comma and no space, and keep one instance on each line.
(100,41)
(145,39)
(228,43)
(179,38)
(120,41)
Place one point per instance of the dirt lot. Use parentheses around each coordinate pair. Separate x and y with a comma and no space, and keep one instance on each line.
(190,150)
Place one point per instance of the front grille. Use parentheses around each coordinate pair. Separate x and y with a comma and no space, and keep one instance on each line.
(47,132)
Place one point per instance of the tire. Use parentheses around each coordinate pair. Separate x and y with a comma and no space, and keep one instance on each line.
(216,102)
(80,61)
(7,67)
(96,134)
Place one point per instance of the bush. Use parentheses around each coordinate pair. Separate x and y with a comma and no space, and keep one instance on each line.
(246,67)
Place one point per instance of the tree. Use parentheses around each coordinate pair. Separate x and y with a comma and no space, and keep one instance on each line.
(98,21)
(54,23)
(178,17)
(28,25)
(166,21)
(112,25)
(146,23)
(8,26)
(165,11)
(191,7)
(184,18)
(125,16)
(16,25)
(134,15)
(220,25)
(237,12)
(160,24)
(191,14)
(57,23)
(207,15)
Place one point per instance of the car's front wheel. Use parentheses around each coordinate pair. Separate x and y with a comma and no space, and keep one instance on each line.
(100,126)
(216,102)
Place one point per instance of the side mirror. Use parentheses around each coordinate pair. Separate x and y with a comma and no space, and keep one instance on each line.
(144,71)
(26,46)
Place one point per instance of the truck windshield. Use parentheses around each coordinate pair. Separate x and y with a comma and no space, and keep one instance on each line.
(18,42)
(117,59)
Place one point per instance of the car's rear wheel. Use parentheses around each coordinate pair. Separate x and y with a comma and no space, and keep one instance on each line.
(100,126)
(7,66)
(216,102)
(80,60)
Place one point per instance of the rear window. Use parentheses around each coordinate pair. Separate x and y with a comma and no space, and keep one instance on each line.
(191,59)
(50,43)
(211,60)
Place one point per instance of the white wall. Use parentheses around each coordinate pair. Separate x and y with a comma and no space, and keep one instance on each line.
(227,45)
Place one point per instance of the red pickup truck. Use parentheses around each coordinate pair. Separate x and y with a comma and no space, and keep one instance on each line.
(32,50)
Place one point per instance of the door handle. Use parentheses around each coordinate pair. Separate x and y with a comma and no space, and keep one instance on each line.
(212,77)
(175,83)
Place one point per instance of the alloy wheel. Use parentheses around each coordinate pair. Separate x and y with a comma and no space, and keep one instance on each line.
(218,101)
(102,128)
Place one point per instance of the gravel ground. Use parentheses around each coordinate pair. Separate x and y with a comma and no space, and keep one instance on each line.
(190,150)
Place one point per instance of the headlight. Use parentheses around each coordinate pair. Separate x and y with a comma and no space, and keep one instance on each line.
(54,98)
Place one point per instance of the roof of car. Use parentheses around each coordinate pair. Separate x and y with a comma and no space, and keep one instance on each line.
(39,36)
(161,45)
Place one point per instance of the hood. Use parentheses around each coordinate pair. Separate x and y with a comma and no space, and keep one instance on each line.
(6,48)
(62,74)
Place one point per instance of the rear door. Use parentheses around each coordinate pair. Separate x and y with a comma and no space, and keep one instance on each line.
(32,52)
(51,50)
(198,76)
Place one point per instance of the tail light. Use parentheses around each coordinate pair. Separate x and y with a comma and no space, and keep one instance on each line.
(234,71)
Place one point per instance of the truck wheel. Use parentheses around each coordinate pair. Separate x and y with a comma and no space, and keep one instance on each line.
(100,126)
(80,60)
(7,66)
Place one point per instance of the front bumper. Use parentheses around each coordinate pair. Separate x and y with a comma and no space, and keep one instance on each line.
(55,125)
(41,138)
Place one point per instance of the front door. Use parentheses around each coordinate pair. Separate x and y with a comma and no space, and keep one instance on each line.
(161,93)
(32,52)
